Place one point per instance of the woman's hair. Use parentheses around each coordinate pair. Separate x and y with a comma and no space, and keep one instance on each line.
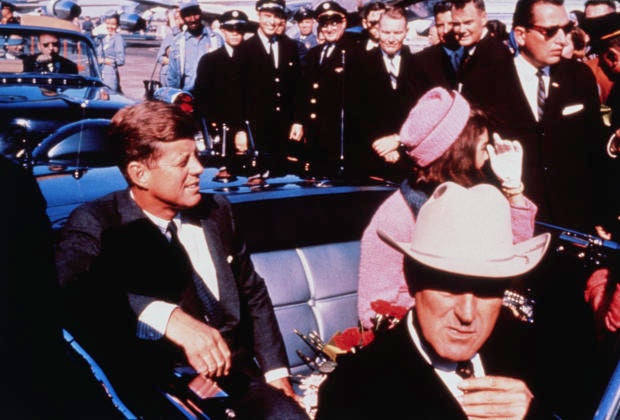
(456,164)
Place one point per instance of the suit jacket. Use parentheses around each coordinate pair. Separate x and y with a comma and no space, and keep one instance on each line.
(61,65)
(113,261)
(382,110)
(434,68)
(270,95)
(563,154)
(217,91)
(390,379)
(479,77)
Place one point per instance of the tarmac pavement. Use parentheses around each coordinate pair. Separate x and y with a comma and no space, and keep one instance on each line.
(139,63)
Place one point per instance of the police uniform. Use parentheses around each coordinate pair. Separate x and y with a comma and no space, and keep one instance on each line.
(187,49)
(306,42)
(329,87)
(217,92)
(270,93)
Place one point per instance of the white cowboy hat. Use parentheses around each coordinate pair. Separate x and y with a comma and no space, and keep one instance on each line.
(468,231)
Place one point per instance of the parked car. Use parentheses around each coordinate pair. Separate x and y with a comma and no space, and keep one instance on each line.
(35,102)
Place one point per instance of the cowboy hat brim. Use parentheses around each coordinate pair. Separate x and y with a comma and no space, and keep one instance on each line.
(523,257)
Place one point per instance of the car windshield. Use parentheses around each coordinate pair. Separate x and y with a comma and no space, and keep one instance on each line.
(45,52)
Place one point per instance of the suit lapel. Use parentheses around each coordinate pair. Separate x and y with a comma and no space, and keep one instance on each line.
(229,296)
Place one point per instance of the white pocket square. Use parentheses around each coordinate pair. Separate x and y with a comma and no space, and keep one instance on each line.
(572,109)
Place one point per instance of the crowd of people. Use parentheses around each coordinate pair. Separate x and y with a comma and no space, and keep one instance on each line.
(485,133)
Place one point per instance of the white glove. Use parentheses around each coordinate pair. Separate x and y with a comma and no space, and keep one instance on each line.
(506,158)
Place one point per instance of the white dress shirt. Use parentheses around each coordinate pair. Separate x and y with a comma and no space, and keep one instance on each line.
(529,82)
(445,370)
(276,49)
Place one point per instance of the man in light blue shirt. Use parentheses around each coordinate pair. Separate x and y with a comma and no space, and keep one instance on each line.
(189,46)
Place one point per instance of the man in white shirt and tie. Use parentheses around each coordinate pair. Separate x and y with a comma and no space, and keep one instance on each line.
(157,277)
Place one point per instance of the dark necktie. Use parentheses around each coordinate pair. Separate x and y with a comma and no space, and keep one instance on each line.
(455,58)
(325,51)
(214,314)
(272,57)
(465,369)
(542,95)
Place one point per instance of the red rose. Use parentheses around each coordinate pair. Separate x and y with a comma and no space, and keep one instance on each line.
(352,337)
(381,307)
(398,312)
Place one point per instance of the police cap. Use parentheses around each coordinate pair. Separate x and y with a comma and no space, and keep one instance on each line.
(329,8)
(234,20)
(303,13)
(602,29)
(275,6)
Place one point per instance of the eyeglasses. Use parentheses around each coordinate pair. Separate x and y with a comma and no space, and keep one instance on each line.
(330,20)
(50,44)
(551,31)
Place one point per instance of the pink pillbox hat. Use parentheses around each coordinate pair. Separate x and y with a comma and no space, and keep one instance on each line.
(434,124)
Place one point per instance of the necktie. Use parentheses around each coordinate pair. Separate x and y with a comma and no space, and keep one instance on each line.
(325,51)
(465,369)
(212,308)
(541,95)
(272,57)
(455,58)
(392,72)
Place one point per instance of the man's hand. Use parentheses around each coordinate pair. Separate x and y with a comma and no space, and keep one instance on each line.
(495,397)
(297,132)
(43,58)
(386,146)
(241,142)
(204,347)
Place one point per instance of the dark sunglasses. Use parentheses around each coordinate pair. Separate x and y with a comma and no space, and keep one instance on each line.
(48,44)
(330,20)
(551,31)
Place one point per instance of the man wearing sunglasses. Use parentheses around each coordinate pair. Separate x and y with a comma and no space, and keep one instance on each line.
(48,59)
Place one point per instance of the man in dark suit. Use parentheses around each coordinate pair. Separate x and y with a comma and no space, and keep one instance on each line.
(329,87)
(485,57)
(388,87)
(157,276)
(217,91)
(270,76)
(48,60)
(371,13)
(556,116)
(453,356)
(440,62)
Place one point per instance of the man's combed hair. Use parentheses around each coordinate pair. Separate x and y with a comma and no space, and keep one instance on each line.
(136,130)
(396,13)
(524,11)
(610,3)
(442,7)
(460,4)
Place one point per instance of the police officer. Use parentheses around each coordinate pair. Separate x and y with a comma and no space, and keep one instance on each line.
(189,46)
(305,23)
(217,92)
(328,83)
(270,74)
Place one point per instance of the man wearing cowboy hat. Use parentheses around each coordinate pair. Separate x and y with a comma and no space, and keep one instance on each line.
(447,358)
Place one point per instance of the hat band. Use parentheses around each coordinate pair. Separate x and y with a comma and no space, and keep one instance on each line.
(270,6)
(235,22)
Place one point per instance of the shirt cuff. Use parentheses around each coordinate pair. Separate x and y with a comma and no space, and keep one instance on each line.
(153,320)
(274,374)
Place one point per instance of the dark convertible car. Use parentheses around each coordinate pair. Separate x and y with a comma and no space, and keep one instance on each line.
(35,102)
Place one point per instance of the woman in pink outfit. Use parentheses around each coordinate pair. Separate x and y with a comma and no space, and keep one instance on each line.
(447,141)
